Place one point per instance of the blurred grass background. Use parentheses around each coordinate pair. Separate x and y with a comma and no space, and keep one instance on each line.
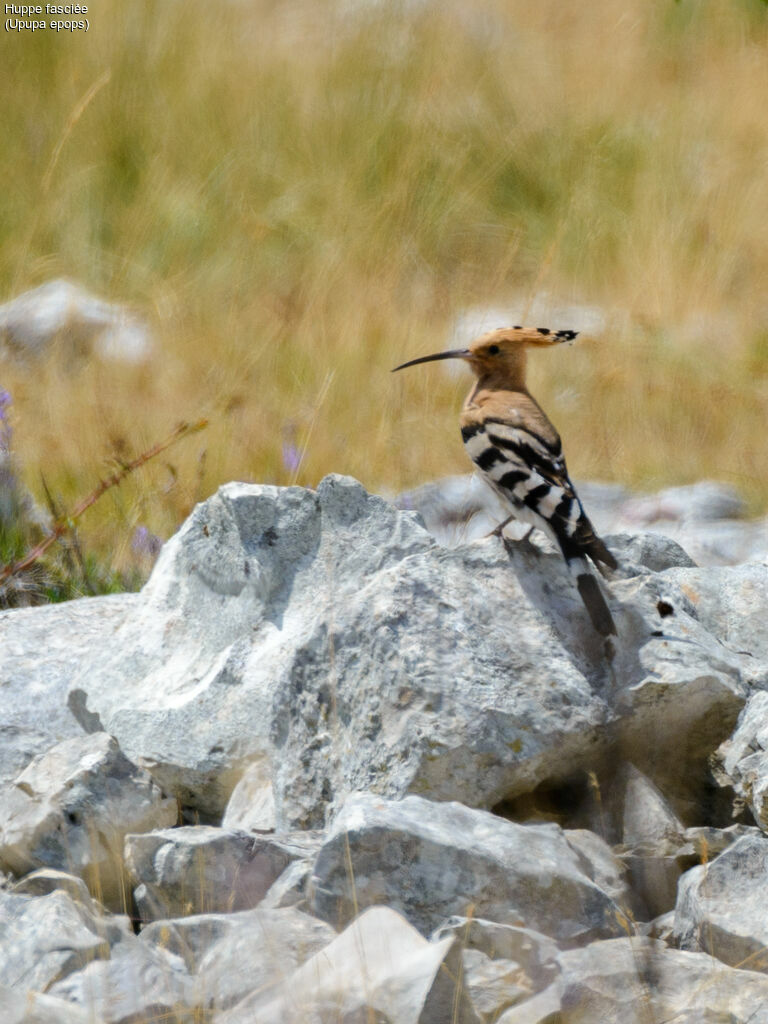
(300,195)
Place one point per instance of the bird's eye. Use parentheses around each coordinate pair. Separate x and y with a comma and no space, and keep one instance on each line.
(493,350)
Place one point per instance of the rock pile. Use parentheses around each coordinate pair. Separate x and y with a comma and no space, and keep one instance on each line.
(324,769)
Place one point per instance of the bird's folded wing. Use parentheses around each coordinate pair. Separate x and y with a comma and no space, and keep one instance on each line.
(531,450)
(530,470)
(524,467)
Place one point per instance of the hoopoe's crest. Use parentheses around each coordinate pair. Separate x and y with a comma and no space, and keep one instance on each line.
(510,439)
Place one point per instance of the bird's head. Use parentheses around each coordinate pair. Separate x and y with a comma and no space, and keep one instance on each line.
(500,351)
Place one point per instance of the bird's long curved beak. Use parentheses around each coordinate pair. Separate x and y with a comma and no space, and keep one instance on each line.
(454,353)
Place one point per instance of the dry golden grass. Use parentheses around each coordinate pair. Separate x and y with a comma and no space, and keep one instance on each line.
(302,195)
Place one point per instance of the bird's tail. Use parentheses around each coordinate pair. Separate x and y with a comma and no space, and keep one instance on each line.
(592,596)
(585,538)
(599,553)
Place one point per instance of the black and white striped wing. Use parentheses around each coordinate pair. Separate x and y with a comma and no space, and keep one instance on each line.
(529,471)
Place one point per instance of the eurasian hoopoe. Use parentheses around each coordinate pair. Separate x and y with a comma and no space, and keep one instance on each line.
(508,436)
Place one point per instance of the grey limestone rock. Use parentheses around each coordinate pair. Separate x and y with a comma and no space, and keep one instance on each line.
(252,804)
(233,955)
(218,631)
(378,969)
(720,909)
(290,889)
(679,690)
(636,980)
(651,833)
(137,983)
(650,551)
(71,808)
(26,1007)
(599,863)
(47,880)
(41,650)
(314,670)
(116,927)
(654,870)
(535,953)
(648,820)
(201,869)
(722,543)
(730,602)
(661,928)
(703,502)
(744,757)
(492,985)
(433,860)
(653,878)
(45,938)
(456,509)
(327,639)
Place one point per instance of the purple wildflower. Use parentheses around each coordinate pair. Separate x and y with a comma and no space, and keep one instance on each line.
(291,457)
(145,543)
(6,431)
(291,453)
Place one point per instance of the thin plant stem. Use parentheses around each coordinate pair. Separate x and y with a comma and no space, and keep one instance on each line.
(65,524)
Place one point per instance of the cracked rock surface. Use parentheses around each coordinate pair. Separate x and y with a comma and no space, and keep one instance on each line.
(324,768)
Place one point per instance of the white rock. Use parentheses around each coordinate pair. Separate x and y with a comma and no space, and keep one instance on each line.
(433,688)
(234,685)
(680,690)
(290,889)
(661,928)
(199,869)
(378,969)
(65,313)
(720,543)
(535,953)
(653,879)
(41,649)
(599,863)
(744,757)
(718,910)
(45,938)
(543,1008)
(137,983)
(118,927)
(252,804)
(20,1007)
(456,509)
(216,947)
(433,860)
(71,808)
(649,821)
(492,985)
(654,870)
(650,551)
(730,603)
(635,981)
(295,647)
(48,880)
